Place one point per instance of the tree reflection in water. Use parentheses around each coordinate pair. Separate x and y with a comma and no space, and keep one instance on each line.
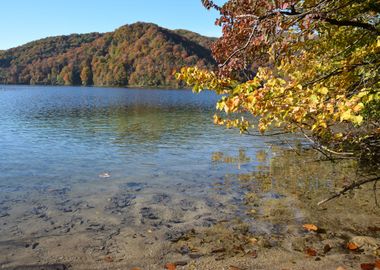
(279,195)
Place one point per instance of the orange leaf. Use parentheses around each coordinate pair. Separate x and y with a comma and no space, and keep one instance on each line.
(310,227)
(341,268)
(377,264)
(352,246)
(170,266)
(311,252)
(367,266)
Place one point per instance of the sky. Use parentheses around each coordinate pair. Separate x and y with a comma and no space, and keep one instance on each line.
(27,20)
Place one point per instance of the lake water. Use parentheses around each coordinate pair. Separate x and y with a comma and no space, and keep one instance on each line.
(105,178)
(65,135)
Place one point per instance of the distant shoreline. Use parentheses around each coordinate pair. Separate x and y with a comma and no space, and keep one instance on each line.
(101,86)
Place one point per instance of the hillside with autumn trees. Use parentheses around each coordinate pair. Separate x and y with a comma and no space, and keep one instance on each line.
(140,54)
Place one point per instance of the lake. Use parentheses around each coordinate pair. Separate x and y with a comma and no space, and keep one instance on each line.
(120,178)
(66,135)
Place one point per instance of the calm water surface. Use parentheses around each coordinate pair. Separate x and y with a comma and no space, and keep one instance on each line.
(65,135)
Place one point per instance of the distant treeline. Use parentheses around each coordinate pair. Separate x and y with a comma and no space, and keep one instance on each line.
(140,54)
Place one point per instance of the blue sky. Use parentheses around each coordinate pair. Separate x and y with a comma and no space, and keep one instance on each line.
(26,20)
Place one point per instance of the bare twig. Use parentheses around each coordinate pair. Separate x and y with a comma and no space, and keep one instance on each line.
(291,147)
(322,147)
(348,188)
(375,193)
(265,134)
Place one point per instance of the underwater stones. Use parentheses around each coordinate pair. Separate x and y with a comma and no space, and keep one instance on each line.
(161,198)
(148,213)
(132,186)
(119,202)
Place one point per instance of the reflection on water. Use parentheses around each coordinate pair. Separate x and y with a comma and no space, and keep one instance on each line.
(280,194)
(91,172)
(69,135)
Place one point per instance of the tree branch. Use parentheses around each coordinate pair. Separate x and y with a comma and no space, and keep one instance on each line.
(315,16)
(327,149)
(363,25)
(348,188)
(240,49)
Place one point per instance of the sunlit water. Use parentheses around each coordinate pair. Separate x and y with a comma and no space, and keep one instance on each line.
(65,135)
(92,172)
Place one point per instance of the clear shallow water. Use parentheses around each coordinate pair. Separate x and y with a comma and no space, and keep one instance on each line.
(64,135)
(175,181)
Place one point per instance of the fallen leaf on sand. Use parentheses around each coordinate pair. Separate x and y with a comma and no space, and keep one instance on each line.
(377,264)
(170,266)
(310,227)
(136,268)
(367,266)
(108,259)
(341,268)
(352,246)
(311,252)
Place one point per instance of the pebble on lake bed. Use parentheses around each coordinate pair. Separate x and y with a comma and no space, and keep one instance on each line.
(105,175)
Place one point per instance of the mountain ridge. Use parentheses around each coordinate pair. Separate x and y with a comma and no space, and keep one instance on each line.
(139,54)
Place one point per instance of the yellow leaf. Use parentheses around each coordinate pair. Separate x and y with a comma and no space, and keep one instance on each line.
(323,90)
(357,119)
(314,98)
(346,115)
(358,107)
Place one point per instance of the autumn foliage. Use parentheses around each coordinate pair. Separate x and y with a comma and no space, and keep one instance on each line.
(310,66)
(140,54)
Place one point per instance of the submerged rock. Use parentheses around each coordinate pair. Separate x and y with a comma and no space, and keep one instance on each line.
(120,201)
(366,243)
(148,213)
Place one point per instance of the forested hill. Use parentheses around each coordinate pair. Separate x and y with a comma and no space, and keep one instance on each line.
(140,54)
